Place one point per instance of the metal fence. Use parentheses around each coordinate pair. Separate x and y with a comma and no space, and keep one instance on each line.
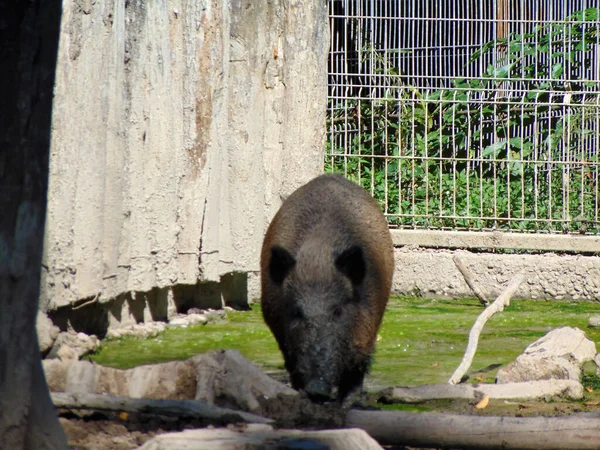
(469,115)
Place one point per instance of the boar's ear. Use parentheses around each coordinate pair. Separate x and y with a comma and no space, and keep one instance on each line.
(281,263)
(351,263)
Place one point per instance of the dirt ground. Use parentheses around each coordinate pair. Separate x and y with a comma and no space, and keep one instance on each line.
(87,430)
(101,431)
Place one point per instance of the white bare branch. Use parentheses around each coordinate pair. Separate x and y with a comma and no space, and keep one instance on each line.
(499,304)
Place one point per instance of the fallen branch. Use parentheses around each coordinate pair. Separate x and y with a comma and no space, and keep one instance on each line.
(433,430)
(94,300)
(177,408)
(469,279)
(498,305)
(526,390)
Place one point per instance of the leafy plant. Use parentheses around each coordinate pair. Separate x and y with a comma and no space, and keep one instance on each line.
(514,149)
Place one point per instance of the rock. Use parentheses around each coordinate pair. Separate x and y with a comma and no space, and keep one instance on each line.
(47,332)
(594,322)
(214,315)
(140,330)
(178,322)
(557,355)
(197,319)
(255,436)
(56,374)
(72,346)
(81,377)
(114,333)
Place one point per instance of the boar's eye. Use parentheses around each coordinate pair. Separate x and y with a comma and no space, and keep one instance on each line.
(351,262)
(281,263)
(337,311)
(296,314)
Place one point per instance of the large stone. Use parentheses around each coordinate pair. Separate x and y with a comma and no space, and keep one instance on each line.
(72,346)
(47,332)
(594,322)
(557,355)
(263,436)
(55,371)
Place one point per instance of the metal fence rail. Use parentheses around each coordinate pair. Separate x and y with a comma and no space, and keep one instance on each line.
(469,115)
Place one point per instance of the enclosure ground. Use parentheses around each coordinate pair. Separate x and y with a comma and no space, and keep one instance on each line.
(421,342)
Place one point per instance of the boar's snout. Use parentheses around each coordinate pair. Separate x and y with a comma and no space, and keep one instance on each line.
(318,390)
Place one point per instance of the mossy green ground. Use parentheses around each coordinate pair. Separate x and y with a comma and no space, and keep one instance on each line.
(421,341)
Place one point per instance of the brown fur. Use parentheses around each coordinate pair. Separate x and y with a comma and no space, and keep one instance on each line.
(320,220)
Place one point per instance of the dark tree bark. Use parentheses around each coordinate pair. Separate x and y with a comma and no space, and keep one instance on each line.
(29,31)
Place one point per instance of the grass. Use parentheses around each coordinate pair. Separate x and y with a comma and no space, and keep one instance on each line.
(421,341)
(244,331)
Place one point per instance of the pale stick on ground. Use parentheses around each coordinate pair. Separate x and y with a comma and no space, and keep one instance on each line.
(469,279)
(499,304)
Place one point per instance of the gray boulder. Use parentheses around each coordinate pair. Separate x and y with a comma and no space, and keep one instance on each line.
(558,355)
(594,322)
(47,332)
(72,346)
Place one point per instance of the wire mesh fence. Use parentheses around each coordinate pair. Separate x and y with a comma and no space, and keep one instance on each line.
(469,115)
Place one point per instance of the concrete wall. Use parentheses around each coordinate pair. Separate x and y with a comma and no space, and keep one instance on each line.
(429,272)
(178,127)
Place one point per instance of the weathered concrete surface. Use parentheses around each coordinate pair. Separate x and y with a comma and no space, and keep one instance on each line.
(431,272)
(496,240)
(177,129)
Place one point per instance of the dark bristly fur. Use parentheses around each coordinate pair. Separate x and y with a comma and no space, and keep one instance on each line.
(326,275)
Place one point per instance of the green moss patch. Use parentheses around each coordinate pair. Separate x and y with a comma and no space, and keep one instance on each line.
(421,341)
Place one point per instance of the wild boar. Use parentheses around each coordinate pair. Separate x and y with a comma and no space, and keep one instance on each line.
(326,274)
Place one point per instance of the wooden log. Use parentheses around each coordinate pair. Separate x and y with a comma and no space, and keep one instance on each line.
(433,430)
(469,279)
(498,305)
(255,436)
(527,390)
(178,408)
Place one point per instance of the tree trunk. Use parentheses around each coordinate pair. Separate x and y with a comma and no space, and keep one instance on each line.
(29,32)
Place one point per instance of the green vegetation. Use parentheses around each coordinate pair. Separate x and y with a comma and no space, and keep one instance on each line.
(243,331)
(515,149)
(421,341)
